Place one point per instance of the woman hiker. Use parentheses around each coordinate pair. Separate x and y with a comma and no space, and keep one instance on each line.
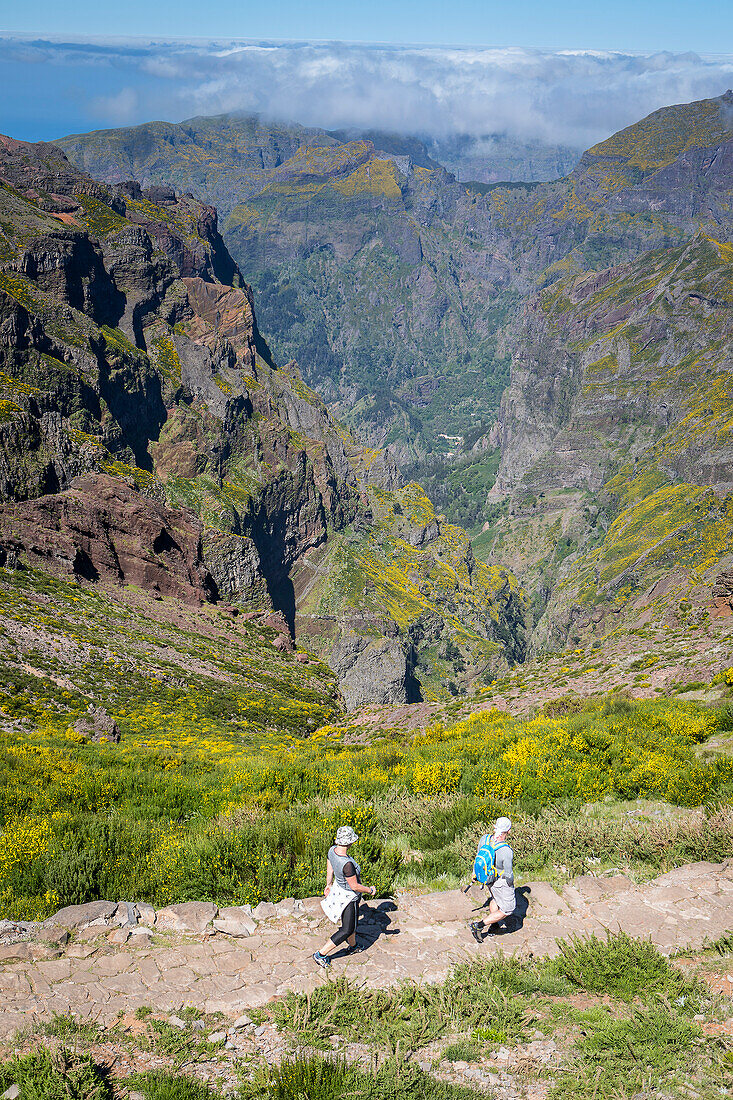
(494,867)
(341,895)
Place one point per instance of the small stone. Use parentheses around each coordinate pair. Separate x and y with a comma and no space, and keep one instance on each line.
(217,1036)
(91,932)
(239,926)
(145,913)
(41,951)
(119,936)
(259,1030)
(198,1025)
(136,1096)
(176,1021)
(11,1093)
(242,1021)
(53,935)
(140,937)
(126,914)
(79,951)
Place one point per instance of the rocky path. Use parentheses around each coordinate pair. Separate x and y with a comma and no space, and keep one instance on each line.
(97,961)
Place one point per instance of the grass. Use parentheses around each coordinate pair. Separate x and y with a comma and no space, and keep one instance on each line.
(161,1085)
(634,1031)
(311,1077)
(623,967)
(56,1075)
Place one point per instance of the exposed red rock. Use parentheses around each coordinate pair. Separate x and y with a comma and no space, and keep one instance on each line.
(101,529)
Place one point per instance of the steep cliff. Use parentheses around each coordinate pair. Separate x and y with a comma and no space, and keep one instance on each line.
(365,267)
(131,356)
(390,281)
(619,417)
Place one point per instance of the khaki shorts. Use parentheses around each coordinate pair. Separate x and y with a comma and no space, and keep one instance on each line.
(504,896)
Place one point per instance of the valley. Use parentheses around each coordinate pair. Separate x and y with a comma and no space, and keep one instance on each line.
(401,502)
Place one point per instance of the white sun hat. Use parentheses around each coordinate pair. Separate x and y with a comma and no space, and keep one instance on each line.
(503,825)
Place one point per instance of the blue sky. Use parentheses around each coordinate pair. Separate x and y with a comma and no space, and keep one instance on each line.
(562,74)
(645,25)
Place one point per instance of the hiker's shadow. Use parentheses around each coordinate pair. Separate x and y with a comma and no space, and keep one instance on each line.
(515,920)
(375,921)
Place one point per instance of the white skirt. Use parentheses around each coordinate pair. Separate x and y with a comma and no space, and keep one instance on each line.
(504,896)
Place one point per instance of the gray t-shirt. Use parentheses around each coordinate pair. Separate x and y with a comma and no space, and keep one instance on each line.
(343,865)
(504,861)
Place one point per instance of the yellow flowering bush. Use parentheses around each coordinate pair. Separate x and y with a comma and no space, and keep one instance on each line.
(435,777)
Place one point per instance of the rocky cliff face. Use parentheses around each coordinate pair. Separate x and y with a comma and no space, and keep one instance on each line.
(365,267)
(147,437)
(620,403)
(389,281)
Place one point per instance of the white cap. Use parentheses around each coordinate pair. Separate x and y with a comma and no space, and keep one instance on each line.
(503,825)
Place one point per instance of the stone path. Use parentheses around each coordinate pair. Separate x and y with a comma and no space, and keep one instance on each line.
(106,967)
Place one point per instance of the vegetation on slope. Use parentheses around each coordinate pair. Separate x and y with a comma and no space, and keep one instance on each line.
(229,778)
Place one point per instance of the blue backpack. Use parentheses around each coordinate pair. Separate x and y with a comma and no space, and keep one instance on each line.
(484,865)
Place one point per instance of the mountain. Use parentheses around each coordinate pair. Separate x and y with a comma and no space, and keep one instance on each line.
(567,271)
(147,438)
(390,281)
(617,443)
(499,158)
(360,273)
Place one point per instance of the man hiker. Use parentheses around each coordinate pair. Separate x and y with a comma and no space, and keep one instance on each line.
(493,867)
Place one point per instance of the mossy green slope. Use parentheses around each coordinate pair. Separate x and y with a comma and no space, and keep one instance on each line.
(641,435)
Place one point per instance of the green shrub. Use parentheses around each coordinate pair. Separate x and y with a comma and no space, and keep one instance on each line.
(643,1048)
(310,1077)
(160,1085)
(56,1075)
(463,1051)
(620,966)
(74,876)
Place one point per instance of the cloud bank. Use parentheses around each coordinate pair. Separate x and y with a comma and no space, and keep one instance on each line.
(570,97)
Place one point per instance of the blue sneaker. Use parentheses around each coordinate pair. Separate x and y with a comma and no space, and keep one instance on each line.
(322,960)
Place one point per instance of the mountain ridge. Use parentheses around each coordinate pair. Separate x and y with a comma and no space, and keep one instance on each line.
(120,366)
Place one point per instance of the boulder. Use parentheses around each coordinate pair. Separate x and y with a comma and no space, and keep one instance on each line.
(188,916)
(58,936)
(235,921)
(264,911)
(13,952)
(78,916)
(99,726)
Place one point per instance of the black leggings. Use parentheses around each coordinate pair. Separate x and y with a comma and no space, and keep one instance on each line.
(349,921)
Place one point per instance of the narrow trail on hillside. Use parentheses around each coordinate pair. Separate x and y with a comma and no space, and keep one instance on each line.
(104,969)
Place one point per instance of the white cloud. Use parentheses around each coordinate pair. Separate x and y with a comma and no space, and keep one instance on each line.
(574,97)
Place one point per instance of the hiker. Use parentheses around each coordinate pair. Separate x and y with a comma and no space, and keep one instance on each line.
(341,895)
(493,867)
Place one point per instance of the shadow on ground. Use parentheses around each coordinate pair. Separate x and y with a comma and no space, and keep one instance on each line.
(374,921)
